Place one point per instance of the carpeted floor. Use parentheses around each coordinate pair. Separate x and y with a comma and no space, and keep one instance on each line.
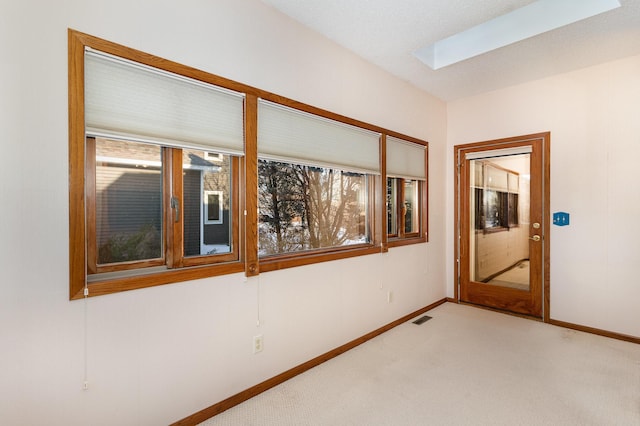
(466,366)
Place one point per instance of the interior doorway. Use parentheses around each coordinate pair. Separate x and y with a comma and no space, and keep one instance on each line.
(502,222)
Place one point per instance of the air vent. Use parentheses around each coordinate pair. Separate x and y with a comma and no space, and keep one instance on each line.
(422,320)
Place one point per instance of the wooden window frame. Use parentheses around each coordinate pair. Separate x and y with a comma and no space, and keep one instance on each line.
(245,183)
(305,257)
(86,277)
(402,238)
(91,197)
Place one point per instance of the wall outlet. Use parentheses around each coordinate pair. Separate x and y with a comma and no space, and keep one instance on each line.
(258,343)
(389,296)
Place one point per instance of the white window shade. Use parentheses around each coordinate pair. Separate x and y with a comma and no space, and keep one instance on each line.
(289,135)
(406,159)
(129,100)
(497,179)
(514,182)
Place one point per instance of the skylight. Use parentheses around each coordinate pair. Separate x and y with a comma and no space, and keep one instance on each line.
(528,21)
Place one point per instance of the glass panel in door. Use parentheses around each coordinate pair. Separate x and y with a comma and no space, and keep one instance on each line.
(499,221)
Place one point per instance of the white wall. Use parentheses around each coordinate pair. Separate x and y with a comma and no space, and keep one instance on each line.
(593,118)
(156,355)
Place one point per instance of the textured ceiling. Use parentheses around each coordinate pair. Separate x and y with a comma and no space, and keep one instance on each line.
(386,32)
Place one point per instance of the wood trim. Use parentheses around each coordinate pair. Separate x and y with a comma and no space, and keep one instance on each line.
(456,224)
(114,285)
(599,332)
(382,194)
(90,200)
(77,241)
(407,241)
(173,187)
(299,259)
(546,200)
(247,394)
(557,323)
(424,193)
(252,261)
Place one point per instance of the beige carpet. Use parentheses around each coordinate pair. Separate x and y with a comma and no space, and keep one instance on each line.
(466,366)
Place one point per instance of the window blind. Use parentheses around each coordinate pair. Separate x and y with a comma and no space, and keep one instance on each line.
(289,135)
(497,179)
(405,159)
(124,99)
(498,152)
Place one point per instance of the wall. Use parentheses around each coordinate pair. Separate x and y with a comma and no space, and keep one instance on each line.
(592,115)
(156,355)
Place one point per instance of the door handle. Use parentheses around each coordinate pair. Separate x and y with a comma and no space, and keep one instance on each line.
(535,238)
(175,205)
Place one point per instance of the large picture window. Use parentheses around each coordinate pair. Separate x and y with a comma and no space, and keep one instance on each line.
(306,208)
(176,174)
(315,181)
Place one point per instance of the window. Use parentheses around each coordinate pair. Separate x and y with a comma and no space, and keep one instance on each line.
(495,197)
(213,207)
(406,192)
(127,201)
(176,174)
(305,208)
(213,156)
(208,195)
(131,225)
(404,207)
(155,158)
(316,180)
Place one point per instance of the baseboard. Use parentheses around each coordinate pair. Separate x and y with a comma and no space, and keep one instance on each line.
(238,398)
(578,327)
(599,332)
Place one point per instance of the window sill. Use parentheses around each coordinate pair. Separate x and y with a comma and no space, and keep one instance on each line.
(406,241)
(276,262)
(102,284)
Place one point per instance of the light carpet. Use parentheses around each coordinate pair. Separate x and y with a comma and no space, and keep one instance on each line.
(466,366)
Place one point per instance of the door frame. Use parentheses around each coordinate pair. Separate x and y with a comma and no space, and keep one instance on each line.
(546,169)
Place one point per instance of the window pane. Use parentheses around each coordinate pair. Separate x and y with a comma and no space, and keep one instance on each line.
(411,206)
(491,209)
(128,201)
(392,206)
(513,209)
(303,208)
(206,201)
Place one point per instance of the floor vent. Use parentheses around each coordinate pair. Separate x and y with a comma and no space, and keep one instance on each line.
(422,320)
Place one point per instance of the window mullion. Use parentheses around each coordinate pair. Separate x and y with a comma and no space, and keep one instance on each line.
(250,228)
(400,220)
(90,197)
(173,207)
(380,196)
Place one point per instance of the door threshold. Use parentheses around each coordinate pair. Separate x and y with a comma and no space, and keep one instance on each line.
(502,311)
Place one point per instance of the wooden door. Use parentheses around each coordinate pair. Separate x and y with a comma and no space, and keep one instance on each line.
(502,224)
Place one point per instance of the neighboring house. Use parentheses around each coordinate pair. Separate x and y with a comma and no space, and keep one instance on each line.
(129,198)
